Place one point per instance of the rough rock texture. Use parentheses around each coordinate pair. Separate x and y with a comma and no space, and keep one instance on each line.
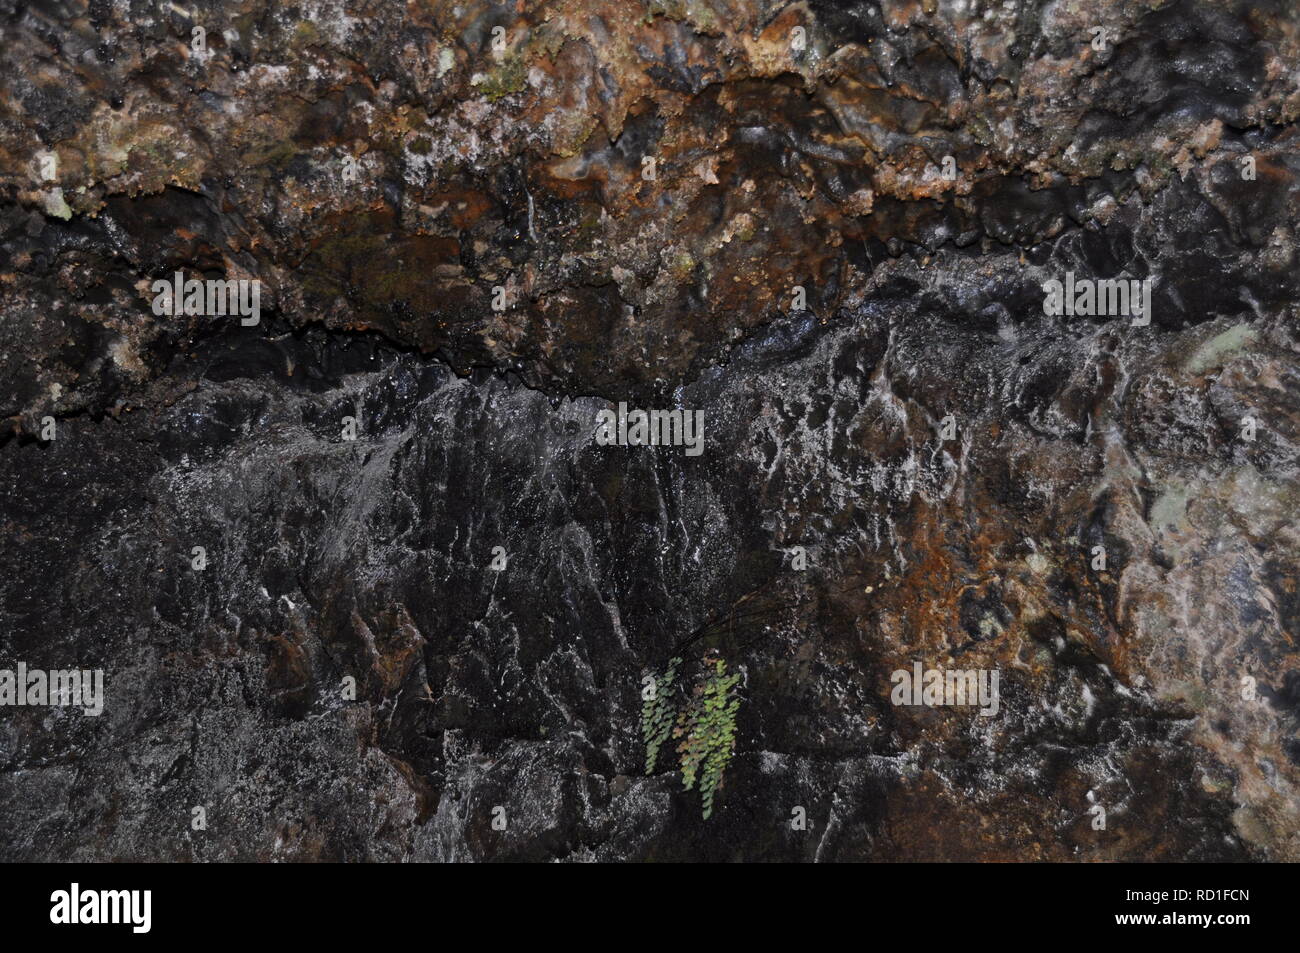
(663,284)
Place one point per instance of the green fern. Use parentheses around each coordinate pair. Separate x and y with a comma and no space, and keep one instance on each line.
(709,729)
(657,713)
(693,748)
(706,726)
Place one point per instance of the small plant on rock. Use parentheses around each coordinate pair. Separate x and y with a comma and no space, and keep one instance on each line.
(657,712)
(706,725)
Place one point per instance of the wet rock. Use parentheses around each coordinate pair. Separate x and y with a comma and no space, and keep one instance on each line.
(429,595)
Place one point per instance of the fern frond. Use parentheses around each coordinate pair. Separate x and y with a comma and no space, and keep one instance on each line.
(657,714)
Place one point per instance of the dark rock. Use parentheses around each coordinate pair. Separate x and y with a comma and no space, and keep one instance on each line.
(348,677)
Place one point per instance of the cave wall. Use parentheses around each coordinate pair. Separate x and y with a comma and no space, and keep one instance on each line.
(470,244)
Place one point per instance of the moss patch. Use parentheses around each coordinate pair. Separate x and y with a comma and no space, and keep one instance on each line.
(510,77)
(1221,348)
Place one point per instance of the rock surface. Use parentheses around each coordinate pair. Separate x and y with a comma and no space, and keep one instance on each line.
(646,187)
